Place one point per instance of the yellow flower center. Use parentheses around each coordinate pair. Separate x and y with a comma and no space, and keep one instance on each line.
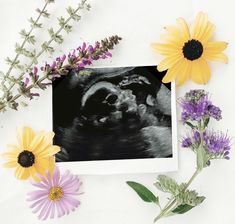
(55,194)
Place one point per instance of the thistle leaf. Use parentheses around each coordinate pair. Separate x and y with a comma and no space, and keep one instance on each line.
(144,193)
(190,198)
(167,184)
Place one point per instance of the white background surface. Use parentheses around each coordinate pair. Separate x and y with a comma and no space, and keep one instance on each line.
(107,199)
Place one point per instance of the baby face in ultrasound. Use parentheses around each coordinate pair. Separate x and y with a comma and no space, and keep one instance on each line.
(121,113)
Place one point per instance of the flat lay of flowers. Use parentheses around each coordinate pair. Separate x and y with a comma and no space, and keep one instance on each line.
(187,50)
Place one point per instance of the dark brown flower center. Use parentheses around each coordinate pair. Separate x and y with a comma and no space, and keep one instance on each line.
(26,159)
(192,49)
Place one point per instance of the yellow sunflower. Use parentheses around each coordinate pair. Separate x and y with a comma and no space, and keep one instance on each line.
(187,51)
(33,155)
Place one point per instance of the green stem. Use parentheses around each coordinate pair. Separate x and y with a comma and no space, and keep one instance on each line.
(23,43)
(171,204)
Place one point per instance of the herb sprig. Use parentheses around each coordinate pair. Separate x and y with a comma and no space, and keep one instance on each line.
(197,111)
(77,60)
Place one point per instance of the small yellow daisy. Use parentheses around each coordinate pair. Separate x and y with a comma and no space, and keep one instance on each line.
(33,155)
(187,53)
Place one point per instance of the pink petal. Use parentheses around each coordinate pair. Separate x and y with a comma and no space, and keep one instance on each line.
(52,211)
(35,195)
(39,185)
(43,210)
(38,207)
(49,178)
(45,181)
(64,207)
(74,202)
(38,202)
(56,176)
(60,210)
(48,211)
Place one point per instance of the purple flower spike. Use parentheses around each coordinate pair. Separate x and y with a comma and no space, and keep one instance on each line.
(55,195)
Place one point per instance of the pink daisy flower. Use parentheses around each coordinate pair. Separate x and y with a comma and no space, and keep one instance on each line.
(56,194)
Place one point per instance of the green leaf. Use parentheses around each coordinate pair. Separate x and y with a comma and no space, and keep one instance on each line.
(167,184)
(144,193)
(190,125)
(34,24)
(70,10)
(23,33)
(181,209)
(206,122)
(31,39)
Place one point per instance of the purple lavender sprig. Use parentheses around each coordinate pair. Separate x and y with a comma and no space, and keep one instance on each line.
(76,60)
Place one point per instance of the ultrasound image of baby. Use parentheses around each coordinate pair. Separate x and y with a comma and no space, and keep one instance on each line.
(112,113)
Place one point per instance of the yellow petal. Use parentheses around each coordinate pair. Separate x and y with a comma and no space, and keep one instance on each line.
(43,164)
(11,164)
(173,71)
(36,142)
(22,173)
(215,47)
(217,57)
(165,49)
(185,73)
(184,29)
(168,62)
(49,151)
(208,32)
(199,25)
(51,164)
(200,71)
(13,152)
(33,173)
(174,34)
(26,138)
(45,143)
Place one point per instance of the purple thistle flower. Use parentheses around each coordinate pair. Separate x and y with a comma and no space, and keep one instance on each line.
(55,195)
(186,142)
(217,143)
(197,106)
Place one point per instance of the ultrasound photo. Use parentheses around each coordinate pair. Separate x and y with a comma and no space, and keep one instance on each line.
(112,114)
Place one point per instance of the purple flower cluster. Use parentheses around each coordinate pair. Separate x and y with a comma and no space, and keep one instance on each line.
(191,141)
(196,106)
(215,143)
